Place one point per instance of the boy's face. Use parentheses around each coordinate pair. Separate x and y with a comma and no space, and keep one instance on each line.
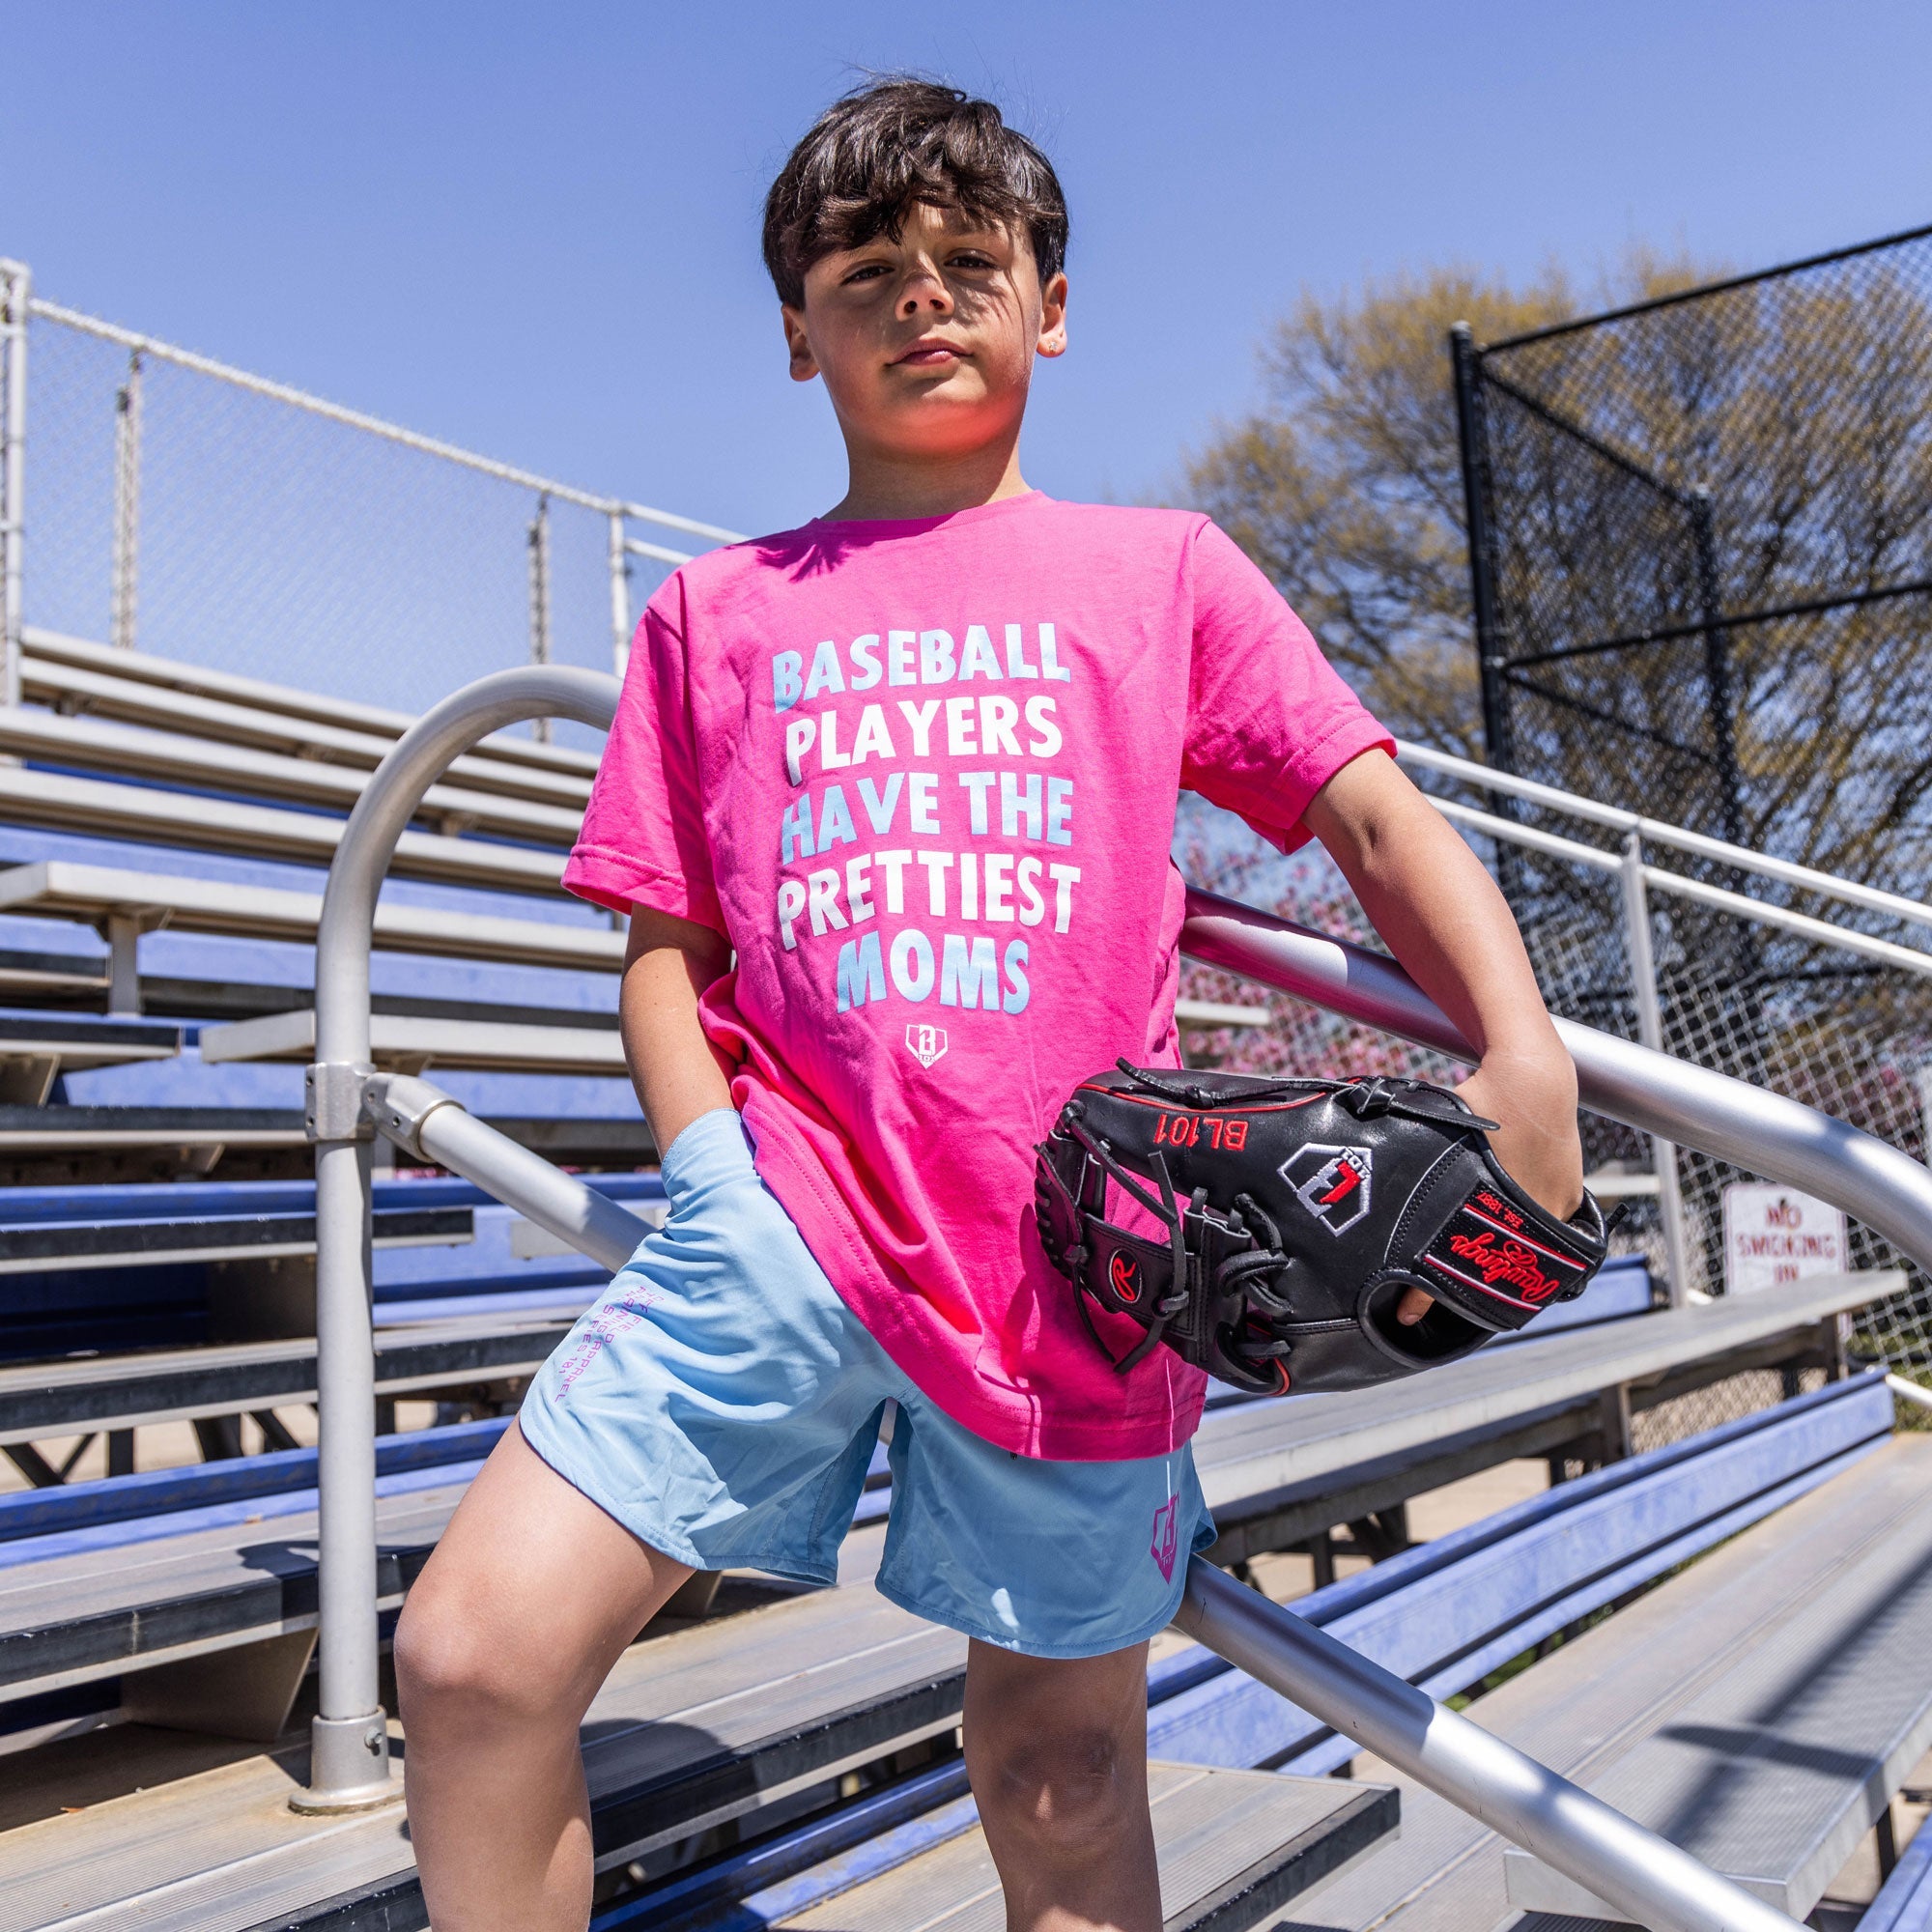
(927,342)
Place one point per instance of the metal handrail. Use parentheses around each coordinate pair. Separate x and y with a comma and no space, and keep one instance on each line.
(1655,831)
(1644,1877)
(1630,1868)
(1749,1126)
(350,1756)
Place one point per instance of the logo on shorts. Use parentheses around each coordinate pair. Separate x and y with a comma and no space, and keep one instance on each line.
(1165,1542)
(1332,1183)
(1125,1274)
(925,1043)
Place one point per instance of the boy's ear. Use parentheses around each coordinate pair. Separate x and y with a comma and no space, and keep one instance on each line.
(803,365)
(1053,317)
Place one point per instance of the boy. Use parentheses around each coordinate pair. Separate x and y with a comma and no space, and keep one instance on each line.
(889,801)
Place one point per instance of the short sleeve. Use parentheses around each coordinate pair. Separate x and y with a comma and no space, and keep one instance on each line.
(643,840)
(1269,721)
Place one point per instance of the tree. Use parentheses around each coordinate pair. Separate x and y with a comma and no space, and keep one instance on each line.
(1346,488)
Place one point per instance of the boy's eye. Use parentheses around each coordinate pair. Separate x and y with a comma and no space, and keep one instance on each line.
(869,271)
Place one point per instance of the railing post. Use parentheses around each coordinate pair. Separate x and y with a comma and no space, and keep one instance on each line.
(620,597)
(349,1768)
(18,288)
(127,506)
(1717,664)
(1650,1031)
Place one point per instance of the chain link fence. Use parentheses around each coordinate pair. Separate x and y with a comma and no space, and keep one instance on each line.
(186,509)
(1701,558)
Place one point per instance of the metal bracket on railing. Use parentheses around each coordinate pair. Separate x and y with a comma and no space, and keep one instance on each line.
(397,1104)
(333,1101)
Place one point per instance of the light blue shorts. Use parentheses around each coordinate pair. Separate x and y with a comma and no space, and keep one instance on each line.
(722,1404)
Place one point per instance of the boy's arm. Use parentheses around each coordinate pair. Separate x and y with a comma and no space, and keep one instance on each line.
(677,1072)
(1430,898)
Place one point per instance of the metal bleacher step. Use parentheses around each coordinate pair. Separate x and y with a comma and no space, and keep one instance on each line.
(1781,1672)
(1807,1710)
(40,1399)
(50,1246)
(147,813)
(1269,1469)
(412,1042)
(692,1729)
(175,759)
(36,1048)
(120,682)
(65,889)
(1234,1847)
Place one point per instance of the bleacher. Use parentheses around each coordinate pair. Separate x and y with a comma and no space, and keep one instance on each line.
(766,1755)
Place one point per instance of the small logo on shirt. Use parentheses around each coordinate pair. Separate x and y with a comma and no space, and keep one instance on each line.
(1332,1183)
(925,1043)
(1165,1542)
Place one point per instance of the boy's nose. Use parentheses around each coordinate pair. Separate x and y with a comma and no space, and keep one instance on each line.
(925,288)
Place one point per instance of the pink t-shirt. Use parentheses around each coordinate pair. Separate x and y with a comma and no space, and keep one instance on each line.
(922,776)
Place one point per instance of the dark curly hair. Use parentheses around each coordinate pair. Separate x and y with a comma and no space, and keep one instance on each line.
(873,157)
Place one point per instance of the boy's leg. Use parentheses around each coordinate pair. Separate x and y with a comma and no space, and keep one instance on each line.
(1057,1753)
(527,1602)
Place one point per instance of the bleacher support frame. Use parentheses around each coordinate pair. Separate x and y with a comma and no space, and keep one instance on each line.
(1641,1874)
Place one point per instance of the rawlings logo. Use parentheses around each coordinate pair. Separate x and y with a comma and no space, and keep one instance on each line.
(1332,1183)
(1125,1274)
(925,1043)
(1510,1263)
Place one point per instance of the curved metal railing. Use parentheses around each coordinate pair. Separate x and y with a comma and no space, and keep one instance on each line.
(1638,1873)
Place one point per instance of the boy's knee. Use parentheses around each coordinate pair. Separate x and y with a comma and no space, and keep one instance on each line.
(1066,1789)
(453,1667)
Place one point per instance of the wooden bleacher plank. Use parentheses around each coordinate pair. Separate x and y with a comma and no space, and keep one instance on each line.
(1235,1847)
(412,1042)
(61,888)
(1270,1458)
(1773,1768)
(51,1130)
(170,760)
(44,648)
(74,1619)
(693,1727)
(155,817)
(1582,1709)
(47,1399)
(45,1247)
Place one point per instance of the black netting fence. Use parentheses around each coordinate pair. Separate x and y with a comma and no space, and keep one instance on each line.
(1701,553)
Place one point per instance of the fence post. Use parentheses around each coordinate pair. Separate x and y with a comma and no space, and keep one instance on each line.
(540,603)
(127,505)
(620,597)
(1650,1031)
(19,289)
(1717,664)
(1473,444)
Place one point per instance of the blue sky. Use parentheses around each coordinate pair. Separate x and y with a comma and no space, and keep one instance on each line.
(534,230)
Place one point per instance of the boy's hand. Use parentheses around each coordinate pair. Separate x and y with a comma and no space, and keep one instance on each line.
(1535,1103)
(1430,898)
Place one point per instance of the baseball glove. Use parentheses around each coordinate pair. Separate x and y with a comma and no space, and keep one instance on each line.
(1284,1219)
